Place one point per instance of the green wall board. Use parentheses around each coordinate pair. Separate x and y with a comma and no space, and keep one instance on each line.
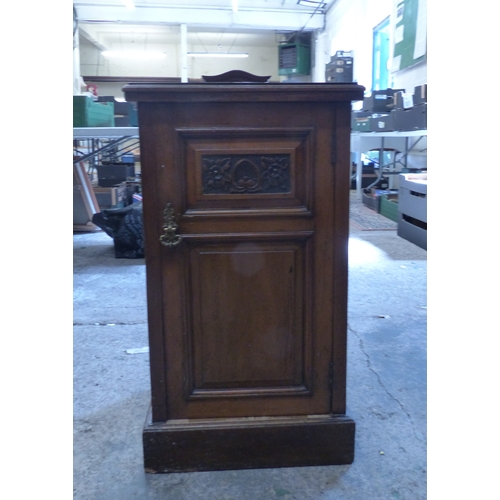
(410,34)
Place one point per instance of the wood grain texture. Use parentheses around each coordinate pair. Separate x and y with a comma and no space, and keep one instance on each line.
(234,144)
(247,444)
(248,314)
(249,308)
(244,93)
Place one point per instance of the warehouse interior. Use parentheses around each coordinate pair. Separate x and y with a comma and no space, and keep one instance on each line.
(386,381)
(388,178)
(288,41)
(106,376)
(388,198)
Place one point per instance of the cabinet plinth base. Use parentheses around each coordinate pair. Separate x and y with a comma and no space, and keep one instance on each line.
(247,443)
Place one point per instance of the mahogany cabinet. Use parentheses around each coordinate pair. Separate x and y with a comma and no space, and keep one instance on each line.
(246,220)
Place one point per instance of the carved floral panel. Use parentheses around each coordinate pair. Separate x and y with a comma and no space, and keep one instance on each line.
(246,174)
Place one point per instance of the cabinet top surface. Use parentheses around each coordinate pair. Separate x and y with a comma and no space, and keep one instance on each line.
(238,92)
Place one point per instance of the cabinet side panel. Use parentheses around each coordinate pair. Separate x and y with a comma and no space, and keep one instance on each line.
(340,164)
(154,155)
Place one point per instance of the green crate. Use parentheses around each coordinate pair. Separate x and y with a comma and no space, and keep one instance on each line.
(389,207)
(361,124)
(88,113)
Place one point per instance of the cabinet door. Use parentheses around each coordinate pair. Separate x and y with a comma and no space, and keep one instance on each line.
(242,297)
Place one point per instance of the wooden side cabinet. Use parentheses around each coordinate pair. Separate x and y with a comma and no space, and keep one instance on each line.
(246,220)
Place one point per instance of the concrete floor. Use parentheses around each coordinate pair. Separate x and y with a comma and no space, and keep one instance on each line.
(386,384)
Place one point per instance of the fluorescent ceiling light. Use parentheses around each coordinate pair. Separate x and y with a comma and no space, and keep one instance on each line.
(312,3)
(217,54)
(235,5)
(129,4)
(133,54)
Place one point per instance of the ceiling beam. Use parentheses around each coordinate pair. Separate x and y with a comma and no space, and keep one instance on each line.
(275,20)
(85,34)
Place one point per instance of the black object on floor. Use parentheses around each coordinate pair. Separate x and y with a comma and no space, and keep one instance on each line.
(125,226)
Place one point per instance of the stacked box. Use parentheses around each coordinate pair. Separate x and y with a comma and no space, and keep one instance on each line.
(111,197)
(128,119)
(88,113)
(420,95)
(340,68)
(410,110)
(125,112)
(380,101)
(397,101)
(112,174)
(361,121)
(402,100)
(412,208)
(414,118)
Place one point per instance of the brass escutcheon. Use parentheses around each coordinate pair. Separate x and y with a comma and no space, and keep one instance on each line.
(169,238)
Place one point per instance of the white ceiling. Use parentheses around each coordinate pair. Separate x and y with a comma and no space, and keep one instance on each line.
(256,22)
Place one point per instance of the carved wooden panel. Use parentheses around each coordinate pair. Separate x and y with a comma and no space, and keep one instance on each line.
(245,174)
(247,170)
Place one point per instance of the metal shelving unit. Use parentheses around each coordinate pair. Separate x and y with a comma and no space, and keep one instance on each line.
(98,144)
(405,142)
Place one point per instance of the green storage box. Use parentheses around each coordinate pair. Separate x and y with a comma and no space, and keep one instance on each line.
(389,207)
(361,124)
(87,113)
(361,121)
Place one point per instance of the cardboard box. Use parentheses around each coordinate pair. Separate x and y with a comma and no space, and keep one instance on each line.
(420,95)
(380,101)
(411,119)
(114,173)
(111,197)
(403,100)
(125,112)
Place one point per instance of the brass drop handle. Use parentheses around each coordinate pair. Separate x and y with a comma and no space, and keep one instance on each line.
(169,238)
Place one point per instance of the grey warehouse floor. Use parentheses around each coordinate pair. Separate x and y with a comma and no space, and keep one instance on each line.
(386,383)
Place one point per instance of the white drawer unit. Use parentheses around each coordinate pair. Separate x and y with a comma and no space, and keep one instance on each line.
(412,208)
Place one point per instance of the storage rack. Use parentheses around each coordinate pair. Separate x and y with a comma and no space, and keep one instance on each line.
(95,144)
(405,142)
(92,146)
